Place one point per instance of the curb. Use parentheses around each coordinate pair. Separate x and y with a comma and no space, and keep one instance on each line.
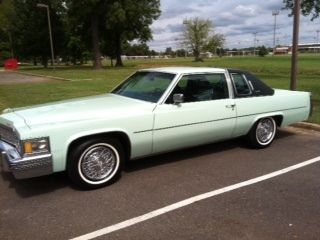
(52,77)
(309,126)
(40,75)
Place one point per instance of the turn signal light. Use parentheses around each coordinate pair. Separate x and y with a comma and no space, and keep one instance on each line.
(27,147)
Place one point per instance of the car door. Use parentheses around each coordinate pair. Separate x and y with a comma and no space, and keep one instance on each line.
(253,98)
(207,113)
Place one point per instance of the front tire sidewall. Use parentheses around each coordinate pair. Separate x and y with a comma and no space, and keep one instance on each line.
(114,171)
(74,165)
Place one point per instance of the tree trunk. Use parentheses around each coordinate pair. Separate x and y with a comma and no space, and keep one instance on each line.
(44,60)
(74,59)
(119,62)
(35,62)
(197,57)
(95,42)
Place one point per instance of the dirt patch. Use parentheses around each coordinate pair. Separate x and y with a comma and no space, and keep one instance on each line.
(7,78)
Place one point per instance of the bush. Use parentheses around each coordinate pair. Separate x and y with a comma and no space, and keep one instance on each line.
(4,55)
(263,51)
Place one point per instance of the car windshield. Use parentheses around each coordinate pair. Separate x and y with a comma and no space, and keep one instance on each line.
(146,86)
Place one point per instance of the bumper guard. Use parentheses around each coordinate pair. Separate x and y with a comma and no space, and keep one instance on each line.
(24,167)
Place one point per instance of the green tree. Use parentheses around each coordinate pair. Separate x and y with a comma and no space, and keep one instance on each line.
(169,52)
(78,40)
(198,36)
(181,53)
(215,41)
(88,16)
(128,20)
(29,28)
(308,7)
(76,49)
(262,51)
(141,49)
(6,43)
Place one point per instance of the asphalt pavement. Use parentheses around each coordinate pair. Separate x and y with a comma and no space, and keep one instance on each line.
(283,207)
(11,77)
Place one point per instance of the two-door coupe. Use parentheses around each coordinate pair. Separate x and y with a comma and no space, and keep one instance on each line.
(153,111)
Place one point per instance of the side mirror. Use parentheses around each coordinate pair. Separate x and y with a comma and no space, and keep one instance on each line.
(178,98)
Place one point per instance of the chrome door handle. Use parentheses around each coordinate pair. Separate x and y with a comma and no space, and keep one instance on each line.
(231,106)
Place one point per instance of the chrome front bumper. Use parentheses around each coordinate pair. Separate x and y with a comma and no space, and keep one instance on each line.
(24,167)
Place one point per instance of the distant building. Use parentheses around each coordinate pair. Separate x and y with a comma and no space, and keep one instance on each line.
(282,50)
(309,48)
(302,48)
(124,57)
(206,55)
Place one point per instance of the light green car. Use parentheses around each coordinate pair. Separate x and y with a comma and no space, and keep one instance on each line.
(153,111)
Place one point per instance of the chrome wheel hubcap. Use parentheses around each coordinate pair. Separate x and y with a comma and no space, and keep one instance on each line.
(265,131)
(98,162)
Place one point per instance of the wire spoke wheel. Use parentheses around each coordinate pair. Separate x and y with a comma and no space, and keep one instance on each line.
(265,131)
(262,133)
(96,162)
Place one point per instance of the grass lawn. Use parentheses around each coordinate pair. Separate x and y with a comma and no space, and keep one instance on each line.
(275,71)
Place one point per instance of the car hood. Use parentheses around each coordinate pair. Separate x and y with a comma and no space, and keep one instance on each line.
(80,109)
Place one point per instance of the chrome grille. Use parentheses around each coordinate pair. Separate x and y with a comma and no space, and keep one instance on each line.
(8,135)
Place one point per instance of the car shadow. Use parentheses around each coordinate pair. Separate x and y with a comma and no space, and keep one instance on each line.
(26,188)
(185,154)
(37,186)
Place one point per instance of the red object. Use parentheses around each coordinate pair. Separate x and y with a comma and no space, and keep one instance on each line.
(11,64)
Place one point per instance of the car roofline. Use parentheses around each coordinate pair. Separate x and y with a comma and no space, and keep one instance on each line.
(185,70)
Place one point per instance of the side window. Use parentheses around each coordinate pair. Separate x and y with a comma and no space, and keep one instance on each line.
(201,87)
(259,87)
(241,85)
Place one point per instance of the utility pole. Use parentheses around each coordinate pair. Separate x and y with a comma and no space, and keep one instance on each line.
(40,5)
(318,31)
(11,45)
(185,23)
(275,14)
(295,44)
(254,43)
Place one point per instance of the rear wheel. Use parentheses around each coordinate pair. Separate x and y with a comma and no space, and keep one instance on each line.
(96,163)
(262,133)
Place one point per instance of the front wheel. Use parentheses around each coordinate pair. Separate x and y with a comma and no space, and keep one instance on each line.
(262,133)
(96,163)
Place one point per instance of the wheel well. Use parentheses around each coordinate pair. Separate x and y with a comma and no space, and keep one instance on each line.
(278,119)
(121,136)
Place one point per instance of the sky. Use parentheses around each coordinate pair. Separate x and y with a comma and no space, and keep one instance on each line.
(238,20)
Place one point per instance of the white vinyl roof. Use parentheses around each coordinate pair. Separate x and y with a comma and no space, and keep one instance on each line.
(186,70)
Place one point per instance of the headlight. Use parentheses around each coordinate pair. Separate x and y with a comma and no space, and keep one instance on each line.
(36,146)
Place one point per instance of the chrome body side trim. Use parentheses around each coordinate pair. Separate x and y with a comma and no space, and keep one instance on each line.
(24,167)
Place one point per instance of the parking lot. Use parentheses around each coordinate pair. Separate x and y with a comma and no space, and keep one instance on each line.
(285,206)
(8,78)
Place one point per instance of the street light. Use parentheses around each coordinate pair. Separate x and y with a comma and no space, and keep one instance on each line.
(254,43)
(275,14)
(41,5)
(185,22)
